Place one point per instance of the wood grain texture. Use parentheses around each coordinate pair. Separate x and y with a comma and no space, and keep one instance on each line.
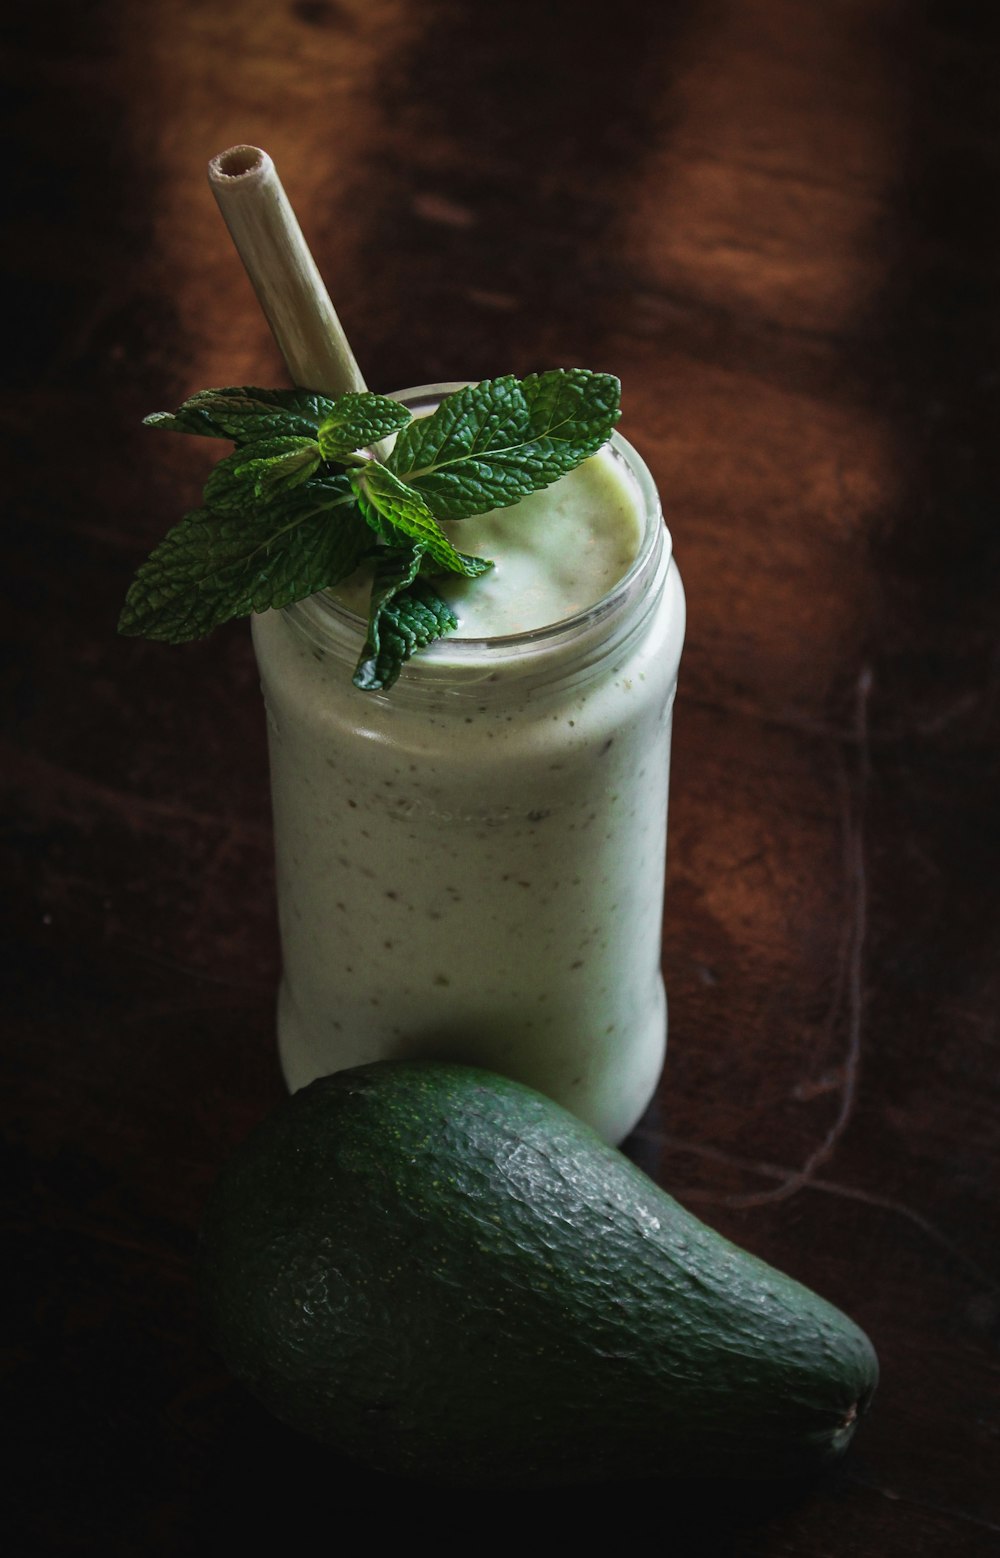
(778,225)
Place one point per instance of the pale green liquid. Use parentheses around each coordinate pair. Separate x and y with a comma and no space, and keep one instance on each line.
(554,553)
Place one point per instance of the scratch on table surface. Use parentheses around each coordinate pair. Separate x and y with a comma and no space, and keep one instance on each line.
(433,207)
(211,873)
(941,719)
(503,302)
(695,1195)
(806,1089)
(236,982)
(949,1510)
(849,984)
(977,706)
(167,1261)
(682,303)
(43,779)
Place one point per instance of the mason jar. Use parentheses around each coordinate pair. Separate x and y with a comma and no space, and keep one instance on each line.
(470,865)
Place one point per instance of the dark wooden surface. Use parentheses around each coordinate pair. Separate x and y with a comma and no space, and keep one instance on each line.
(777,223)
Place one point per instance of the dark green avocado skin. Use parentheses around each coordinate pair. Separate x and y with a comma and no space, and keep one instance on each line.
(445,1275)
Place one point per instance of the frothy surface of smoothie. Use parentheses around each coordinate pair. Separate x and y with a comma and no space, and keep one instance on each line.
(554,553)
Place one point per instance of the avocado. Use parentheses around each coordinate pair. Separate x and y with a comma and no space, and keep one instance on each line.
(446,1275)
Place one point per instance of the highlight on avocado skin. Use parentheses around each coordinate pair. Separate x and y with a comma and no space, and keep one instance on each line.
(446,1275)
(306,497)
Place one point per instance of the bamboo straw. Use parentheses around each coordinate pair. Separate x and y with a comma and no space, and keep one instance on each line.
(288,285)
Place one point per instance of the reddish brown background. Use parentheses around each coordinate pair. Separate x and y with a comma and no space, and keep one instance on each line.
(777,222)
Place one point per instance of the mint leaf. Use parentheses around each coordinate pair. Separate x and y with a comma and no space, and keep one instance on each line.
(396,511)
(243,413)
(490,444)
(357,422)
(280,472)
(406,614)
(572,413)
(216,565)
(259,469)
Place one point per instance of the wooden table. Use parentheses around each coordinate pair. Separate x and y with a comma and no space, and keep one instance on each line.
(777,224)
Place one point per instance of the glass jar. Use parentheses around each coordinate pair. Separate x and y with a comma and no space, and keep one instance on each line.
(470,866)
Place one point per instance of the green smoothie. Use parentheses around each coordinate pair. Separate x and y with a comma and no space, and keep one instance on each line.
(471,866)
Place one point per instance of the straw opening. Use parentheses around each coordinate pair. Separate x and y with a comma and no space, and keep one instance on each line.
(238,161)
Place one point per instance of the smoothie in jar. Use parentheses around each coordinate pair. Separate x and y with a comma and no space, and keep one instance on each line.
(471,864)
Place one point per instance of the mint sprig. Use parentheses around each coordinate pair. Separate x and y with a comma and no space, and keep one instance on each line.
(306,497)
